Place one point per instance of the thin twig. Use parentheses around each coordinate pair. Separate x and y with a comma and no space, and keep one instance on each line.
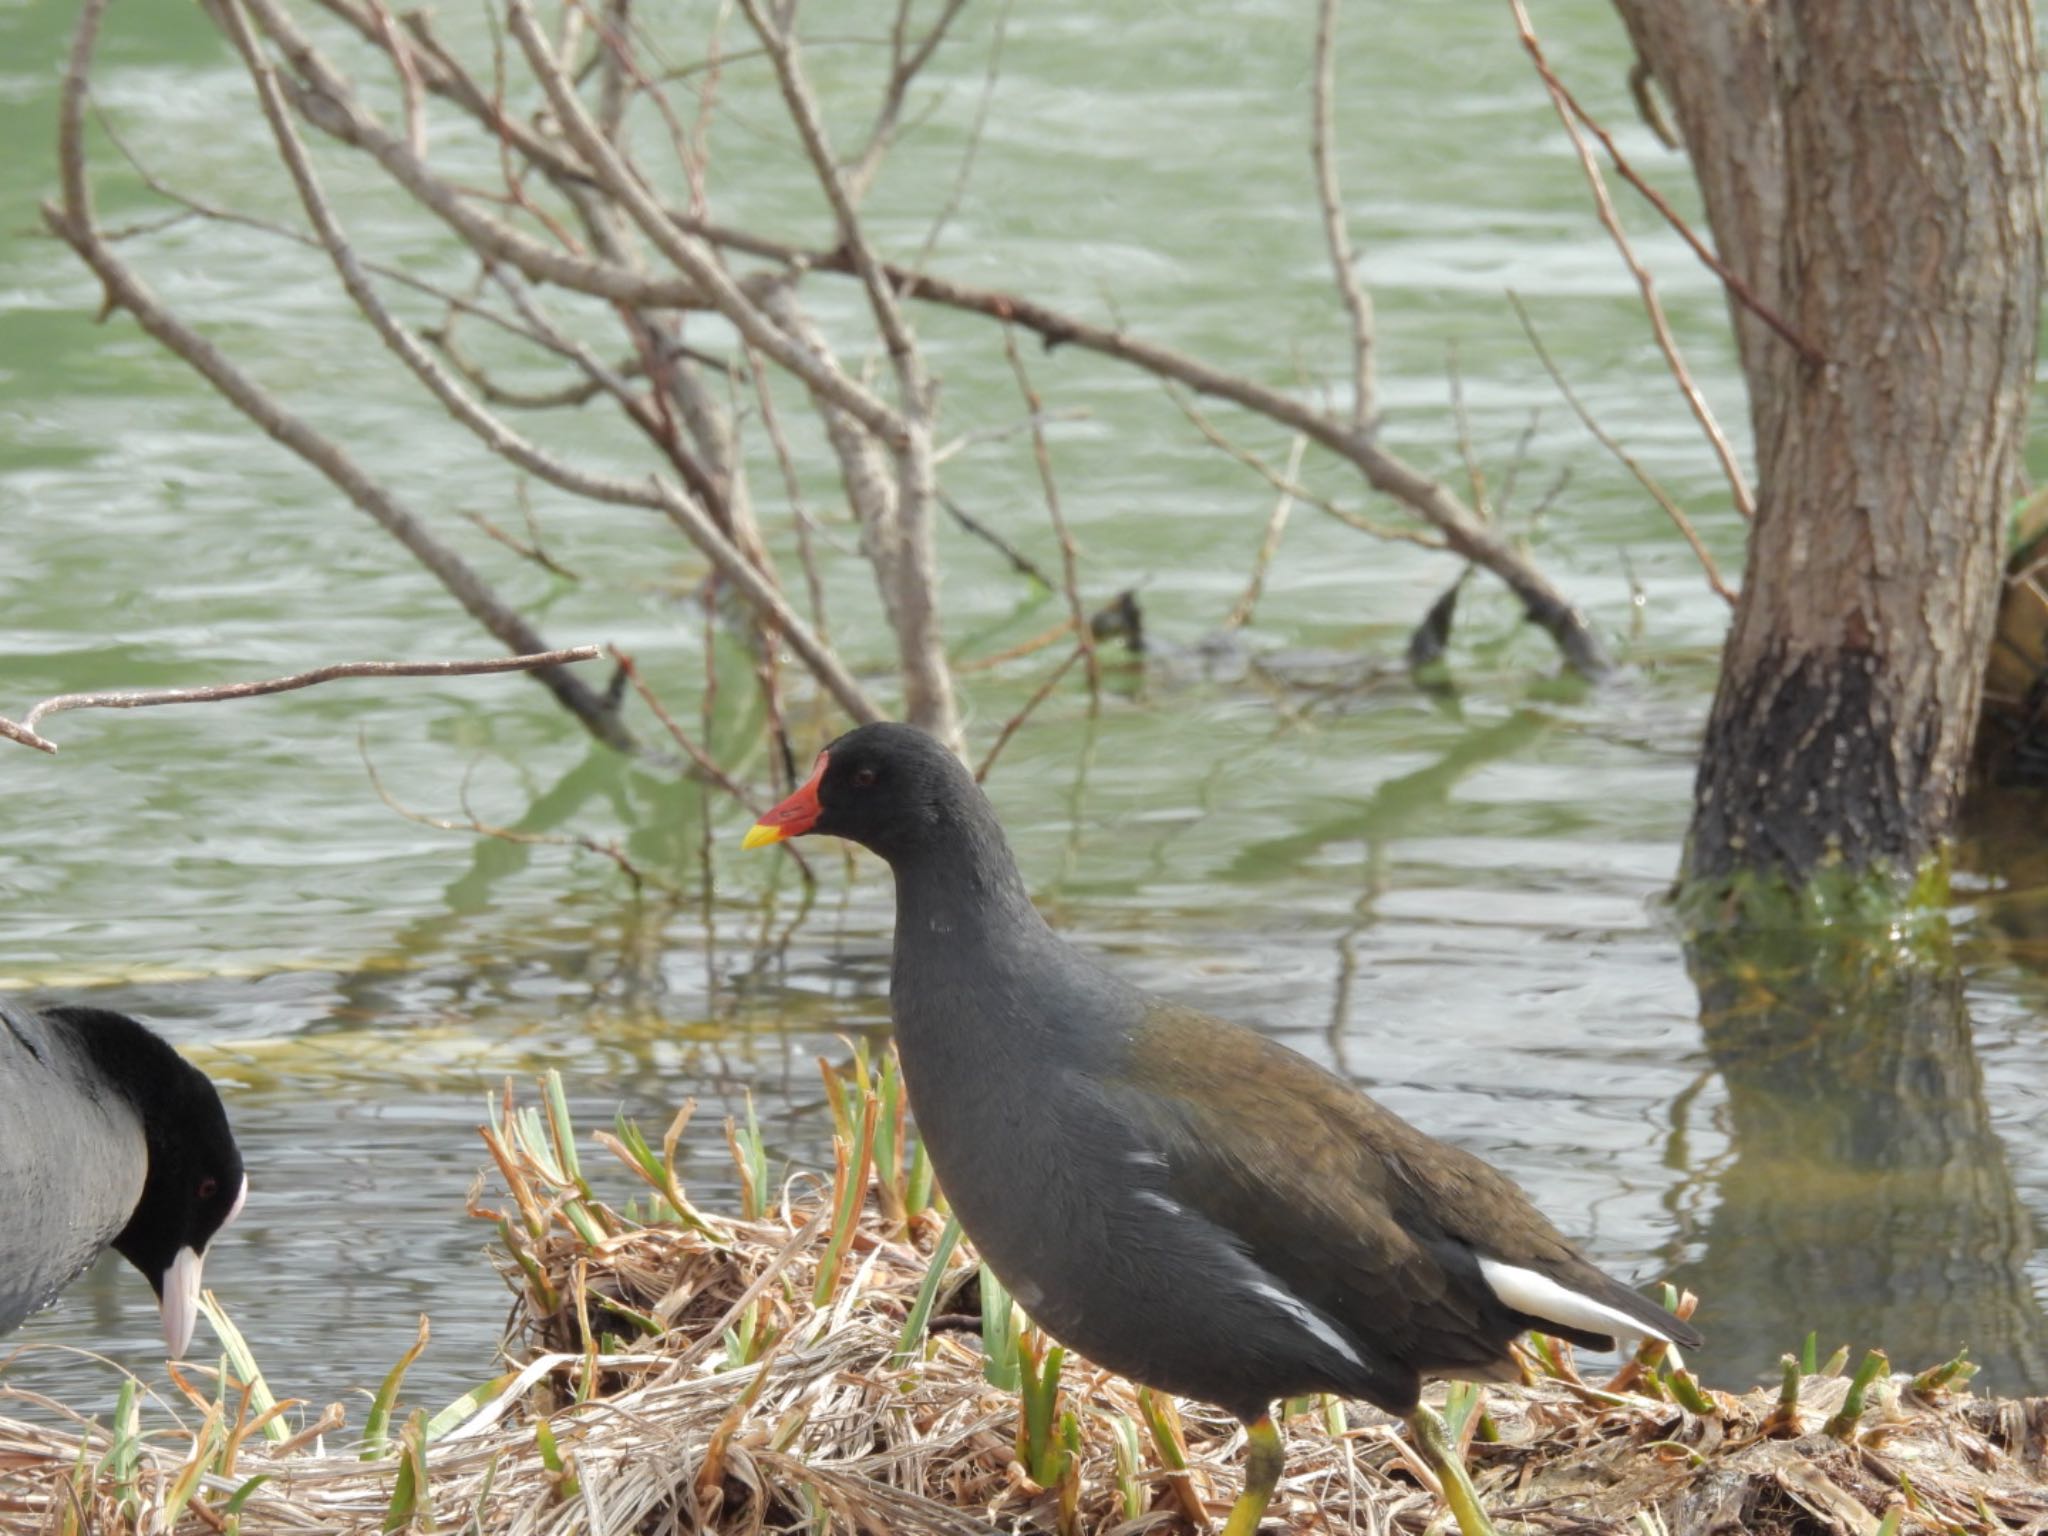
(1667,343)
(1020,562)
(1011,725)
(479,828)
(1475,476)
(529,548)
(1070,580)
(1269,543)
(1648,482)
(1343,261)
(682,738)
(1745,295)
(1280,482)
(148,698)
(975,132)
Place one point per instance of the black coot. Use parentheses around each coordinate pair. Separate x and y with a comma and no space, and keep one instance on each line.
(1178,1198)
(107,1137)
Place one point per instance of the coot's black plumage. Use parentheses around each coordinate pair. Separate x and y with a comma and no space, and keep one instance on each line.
(1182,1200)
(108,1138)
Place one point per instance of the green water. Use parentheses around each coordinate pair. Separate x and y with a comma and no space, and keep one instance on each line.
(1454,899)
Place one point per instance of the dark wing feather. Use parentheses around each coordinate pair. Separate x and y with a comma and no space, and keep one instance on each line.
(1361,1215)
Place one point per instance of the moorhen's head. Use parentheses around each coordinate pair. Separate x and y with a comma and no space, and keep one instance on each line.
(891,788)
(194,1185)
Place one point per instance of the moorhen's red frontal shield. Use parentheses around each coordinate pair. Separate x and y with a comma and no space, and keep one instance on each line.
(794,817)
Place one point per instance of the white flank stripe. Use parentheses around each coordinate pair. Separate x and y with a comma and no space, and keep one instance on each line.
(1165,1203)
(1541,1296)
(1310,1319)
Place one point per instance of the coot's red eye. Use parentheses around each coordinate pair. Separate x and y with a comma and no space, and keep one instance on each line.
(208,1188)
(863,778)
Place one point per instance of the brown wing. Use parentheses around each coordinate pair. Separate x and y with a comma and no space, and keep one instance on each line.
(1358,1213)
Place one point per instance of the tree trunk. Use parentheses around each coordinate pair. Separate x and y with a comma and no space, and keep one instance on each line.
(1906,190)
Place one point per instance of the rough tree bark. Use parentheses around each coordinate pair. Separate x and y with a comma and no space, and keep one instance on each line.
(1874,172)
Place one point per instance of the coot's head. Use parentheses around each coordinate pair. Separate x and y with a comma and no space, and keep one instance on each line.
(195,1184)
(891,788)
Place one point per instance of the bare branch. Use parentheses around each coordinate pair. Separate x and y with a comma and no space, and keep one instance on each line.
(724,294)
(1464,532)
(213,693)
(1731,467)
(1343,262)
(73,223)
(654,493)
(904,64)
(1657,492)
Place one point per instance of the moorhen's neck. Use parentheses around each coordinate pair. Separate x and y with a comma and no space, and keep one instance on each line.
(957,883)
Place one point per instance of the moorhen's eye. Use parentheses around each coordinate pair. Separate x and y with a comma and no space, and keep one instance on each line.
(863,778)
(208,1187)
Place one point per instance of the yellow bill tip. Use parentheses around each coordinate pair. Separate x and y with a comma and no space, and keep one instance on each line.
(760,835)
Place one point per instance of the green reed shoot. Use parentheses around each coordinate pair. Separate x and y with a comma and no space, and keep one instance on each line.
(242,1361)
(999,1365)
(910,1341)
(903,1176)
(563,1132)
(409,1504)
(376,1429)
(1687,1392)
(849,1191)
(1130,1462)
(629,1144)
(1784,1419)
(1950,1373)
(1809,1354)
(1460,1403)
(1070,1475)
(750,1157)
(1170,1447)
(889,1133)
(1843,1425)
(748,1335)
(206,1445)
(1039,1449)
(469,1405)
(559,1472)
(918,1191)
(126,1450)
(1837,1362)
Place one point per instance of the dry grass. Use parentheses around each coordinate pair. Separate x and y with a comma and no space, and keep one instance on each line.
(677,1375)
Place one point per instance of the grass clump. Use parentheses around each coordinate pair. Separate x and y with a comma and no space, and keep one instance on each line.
(833,1358)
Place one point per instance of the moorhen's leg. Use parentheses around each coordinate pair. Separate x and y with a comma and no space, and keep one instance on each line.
(1264,1457)
(1434,1439)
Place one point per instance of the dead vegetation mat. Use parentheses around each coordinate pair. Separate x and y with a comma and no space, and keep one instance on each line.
(678,1374)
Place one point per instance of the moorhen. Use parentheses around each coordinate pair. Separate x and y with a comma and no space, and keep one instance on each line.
(1180,1199)
(108,1137)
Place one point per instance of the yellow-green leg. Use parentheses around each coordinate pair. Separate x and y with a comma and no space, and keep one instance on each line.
(1433,1437)
(1263,1459)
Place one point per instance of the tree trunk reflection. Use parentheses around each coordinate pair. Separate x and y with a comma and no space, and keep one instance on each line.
(1868,1196)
